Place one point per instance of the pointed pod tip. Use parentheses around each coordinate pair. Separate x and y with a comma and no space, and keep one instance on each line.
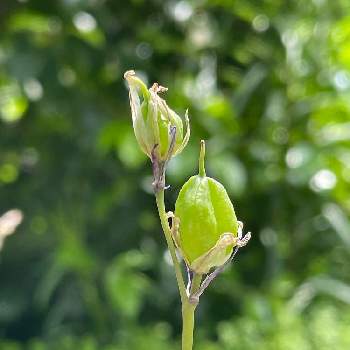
(201,159)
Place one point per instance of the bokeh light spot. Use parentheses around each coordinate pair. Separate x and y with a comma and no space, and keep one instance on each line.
(324,179)
(84,22)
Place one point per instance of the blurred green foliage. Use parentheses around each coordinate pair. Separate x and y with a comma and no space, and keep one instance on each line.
(267,84)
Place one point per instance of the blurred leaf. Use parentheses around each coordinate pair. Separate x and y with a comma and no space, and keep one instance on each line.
(125,285)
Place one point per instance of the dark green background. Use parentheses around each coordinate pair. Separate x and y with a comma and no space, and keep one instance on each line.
(267,84)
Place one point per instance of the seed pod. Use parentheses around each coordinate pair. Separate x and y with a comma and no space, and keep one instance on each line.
(158,129)
(208,227)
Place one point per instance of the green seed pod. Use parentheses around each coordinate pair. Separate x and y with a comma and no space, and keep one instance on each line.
(158,129)
(207,225)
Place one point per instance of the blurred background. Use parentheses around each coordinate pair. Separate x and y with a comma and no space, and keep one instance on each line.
(267,84)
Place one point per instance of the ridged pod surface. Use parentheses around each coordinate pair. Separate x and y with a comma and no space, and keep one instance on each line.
(207,222)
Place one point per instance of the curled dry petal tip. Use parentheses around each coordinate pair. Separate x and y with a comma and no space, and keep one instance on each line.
(158,88)
(129,73)
(243,241)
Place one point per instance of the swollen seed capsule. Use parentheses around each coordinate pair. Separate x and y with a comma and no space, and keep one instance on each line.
(208,226)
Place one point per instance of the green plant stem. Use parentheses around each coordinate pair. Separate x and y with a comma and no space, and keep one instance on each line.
(167,233)
(188,310)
